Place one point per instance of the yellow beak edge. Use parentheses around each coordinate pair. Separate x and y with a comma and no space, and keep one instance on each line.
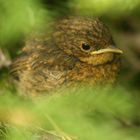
(108,50)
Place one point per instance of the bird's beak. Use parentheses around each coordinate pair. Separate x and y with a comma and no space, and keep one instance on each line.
(110,49)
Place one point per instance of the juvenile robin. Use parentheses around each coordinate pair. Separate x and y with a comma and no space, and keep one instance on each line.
(76,50)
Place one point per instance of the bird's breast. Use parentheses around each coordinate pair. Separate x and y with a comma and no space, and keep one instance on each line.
(93,75)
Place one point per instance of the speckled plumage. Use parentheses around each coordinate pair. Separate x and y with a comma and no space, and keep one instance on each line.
(49,61)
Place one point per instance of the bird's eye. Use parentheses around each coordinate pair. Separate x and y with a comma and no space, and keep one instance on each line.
(85,47)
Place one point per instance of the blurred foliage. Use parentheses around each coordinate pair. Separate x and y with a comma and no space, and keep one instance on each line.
(86,114)
(90,113)
(17,19)
(106,7)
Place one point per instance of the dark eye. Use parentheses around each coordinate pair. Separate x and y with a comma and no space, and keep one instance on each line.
(85,47)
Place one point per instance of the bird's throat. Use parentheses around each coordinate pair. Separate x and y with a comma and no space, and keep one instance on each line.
(98,59)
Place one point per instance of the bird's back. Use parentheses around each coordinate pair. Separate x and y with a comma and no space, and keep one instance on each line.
(43,68)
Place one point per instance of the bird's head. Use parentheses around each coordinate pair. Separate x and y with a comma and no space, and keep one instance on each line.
(87,39)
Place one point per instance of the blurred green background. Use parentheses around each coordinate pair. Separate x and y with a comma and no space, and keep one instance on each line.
(19,18)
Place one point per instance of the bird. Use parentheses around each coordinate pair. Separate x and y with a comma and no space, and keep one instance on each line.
(76,50)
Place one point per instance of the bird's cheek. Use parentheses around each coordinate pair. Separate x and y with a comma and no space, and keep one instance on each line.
(98,59)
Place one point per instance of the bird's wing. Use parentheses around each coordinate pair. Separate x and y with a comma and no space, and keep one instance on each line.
(41,71)
(19,65)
